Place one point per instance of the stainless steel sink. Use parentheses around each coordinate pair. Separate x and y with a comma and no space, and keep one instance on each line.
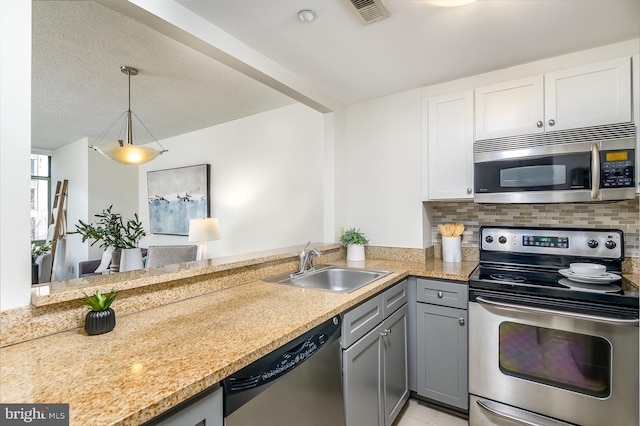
(331,278)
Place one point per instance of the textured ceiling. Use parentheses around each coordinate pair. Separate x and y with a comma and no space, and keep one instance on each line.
(79,46)
(78,89)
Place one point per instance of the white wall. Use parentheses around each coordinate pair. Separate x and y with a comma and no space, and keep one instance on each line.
(266,179)
(383,169)
(15,146)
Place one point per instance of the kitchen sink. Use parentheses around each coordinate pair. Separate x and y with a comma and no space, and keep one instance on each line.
(338,279)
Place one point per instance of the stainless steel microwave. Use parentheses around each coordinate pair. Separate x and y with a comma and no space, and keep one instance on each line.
(583,165)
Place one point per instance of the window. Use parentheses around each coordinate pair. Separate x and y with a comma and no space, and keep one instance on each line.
(40,196)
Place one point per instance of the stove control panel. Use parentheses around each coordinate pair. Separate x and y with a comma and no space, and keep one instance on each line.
(597,243)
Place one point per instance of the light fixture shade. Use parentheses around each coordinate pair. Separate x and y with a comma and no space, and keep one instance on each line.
(204,229)
(128,153)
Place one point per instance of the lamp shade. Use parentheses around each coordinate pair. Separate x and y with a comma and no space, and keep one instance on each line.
(204,229)
(128,153)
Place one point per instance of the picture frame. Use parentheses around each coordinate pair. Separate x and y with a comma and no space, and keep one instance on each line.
(176,196)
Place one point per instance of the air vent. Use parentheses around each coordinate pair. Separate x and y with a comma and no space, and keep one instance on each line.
(368,11)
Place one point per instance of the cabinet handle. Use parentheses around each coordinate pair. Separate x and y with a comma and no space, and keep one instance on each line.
(385,333)
(461,321)
(552,122)
(439,295)
(539,124)
(469,190)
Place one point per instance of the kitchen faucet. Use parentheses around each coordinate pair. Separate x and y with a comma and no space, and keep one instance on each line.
(306,257)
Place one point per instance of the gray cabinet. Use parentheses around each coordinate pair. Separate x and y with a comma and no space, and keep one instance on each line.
(441,344)
(202,410)
(375,374)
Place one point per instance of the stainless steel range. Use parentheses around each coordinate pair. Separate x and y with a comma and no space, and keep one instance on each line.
(548,346)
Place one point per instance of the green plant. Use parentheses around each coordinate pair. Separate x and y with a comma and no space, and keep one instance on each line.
(38,249)
(99,302)
(353,236)
(111,230)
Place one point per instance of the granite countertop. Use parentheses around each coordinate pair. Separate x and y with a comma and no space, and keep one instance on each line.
(157,358)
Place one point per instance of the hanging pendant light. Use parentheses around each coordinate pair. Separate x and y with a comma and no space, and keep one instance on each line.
(122,151)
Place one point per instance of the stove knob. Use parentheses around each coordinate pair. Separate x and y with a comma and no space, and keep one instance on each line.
(592,243)
(488,239)
(502,240)
(610,244)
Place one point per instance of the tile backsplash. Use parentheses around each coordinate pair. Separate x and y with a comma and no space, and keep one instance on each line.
(623,215)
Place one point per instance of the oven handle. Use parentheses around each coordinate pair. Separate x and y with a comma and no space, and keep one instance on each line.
(573,315)
(595,169)
(521,417)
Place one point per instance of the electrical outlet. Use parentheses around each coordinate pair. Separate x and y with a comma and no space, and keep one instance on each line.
(341,230)
(70,269)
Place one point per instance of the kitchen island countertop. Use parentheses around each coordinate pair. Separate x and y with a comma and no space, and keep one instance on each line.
(157,358)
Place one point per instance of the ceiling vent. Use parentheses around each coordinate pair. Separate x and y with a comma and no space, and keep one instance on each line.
(368,11)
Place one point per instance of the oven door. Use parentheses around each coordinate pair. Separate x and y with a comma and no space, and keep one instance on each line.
(580,368)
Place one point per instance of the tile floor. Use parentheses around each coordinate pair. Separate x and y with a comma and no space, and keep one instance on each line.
(416,413)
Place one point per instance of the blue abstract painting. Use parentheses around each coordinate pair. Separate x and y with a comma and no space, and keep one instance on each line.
(177,196)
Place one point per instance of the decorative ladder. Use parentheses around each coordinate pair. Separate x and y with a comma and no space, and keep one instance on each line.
(57,215)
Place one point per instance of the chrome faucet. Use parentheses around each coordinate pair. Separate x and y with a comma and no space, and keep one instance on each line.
(306,258)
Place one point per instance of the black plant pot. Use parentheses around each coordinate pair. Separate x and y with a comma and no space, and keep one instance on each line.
(99,322)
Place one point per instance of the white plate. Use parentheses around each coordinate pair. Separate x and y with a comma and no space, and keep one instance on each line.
(590,279)
(598,288)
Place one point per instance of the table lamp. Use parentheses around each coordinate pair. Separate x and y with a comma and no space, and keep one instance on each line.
(203,230)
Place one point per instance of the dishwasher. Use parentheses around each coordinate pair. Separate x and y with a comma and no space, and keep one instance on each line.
(299,383)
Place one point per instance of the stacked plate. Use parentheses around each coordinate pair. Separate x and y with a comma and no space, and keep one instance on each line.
(589,273)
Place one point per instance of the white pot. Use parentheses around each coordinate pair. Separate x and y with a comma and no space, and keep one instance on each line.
(131,259)
(355,252)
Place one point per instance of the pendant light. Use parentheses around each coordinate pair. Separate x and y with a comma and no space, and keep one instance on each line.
(122,151)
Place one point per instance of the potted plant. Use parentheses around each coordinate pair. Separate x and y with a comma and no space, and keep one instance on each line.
(354,240)
(111,230)
(101,318)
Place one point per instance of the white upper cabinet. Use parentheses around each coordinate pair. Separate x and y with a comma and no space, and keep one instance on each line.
(510,108)
(588,96)
(450,146)
(585,96)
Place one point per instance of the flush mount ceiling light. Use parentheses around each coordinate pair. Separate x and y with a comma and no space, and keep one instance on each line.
(306,16)
(127,152)
(448,3)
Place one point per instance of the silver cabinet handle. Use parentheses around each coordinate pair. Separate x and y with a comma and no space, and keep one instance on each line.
(572,315)
(595,171)
(439,294)
(385,333)
(539,124)
(469,190)
(461,321)
(518,416)
(552,122)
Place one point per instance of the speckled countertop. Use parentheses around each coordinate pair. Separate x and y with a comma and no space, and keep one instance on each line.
(157,358)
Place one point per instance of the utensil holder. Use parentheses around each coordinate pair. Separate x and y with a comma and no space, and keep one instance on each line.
(451,249)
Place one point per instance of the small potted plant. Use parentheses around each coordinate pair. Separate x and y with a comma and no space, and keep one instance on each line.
(354,240)
(111,230)
(101,318)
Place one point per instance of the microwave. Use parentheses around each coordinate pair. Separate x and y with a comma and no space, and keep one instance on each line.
(584,165)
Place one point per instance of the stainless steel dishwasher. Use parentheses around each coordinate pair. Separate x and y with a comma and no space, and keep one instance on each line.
(299,384)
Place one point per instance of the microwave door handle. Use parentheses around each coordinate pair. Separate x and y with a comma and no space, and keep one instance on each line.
(595,171)
(572,315)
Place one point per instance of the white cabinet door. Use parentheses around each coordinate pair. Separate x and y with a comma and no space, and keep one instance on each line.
(450,146)
(588,96)
(511,108)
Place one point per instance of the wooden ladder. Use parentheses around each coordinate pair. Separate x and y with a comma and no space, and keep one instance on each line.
(57,215)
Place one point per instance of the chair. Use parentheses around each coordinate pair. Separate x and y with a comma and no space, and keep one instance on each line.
(168,255)
(44,262)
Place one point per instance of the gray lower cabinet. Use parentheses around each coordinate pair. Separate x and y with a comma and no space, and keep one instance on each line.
(375,368)
(442,348)
(202,410)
